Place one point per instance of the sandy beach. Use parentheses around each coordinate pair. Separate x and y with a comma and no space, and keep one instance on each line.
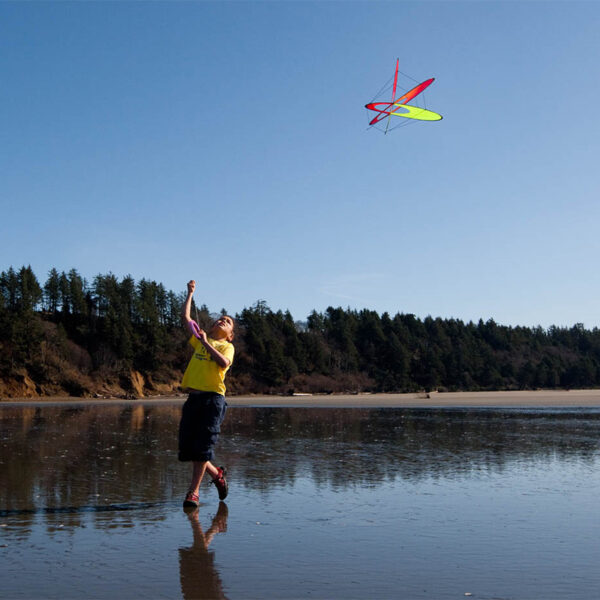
(550,398)
(516,399)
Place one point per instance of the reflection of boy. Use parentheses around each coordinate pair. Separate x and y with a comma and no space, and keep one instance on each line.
(204,410)
(197,572)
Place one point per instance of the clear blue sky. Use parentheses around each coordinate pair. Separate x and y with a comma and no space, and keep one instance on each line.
(228,142)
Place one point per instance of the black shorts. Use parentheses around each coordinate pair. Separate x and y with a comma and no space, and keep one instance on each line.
(200,425)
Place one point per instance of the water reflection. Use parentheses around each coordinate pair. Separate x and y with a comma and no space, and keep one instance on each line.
(199,577)
(80,459)
(56,510)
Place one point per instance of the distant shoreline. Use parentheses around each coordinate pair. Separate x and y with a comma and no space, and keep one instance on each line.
(517,399)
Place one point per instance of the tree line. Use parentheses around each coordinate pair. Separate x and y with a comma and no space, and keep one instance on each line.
(70,332)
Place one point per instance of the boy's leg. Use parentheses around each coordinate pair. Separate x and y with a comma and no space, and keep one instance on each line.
(217,415)
(197,475)
(211,469)
(192,499)
(218,479)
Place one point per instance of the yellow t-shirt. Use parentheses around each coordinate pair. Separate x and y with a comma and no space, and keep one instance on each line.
(203,373)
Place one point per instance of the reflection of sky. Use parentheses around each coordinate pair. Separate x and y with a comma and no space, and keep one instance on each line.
(514,534)
(360,504)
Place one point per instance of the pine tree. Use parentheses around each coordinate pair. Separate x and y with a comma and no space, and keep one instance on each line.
(52,292)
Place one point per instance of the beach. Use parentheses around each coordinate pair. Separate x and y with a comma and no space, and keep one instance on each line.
(516,399)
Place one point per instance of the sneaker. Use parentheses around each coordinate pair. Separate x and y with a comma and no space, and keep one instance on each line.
(191,500)
(221,483)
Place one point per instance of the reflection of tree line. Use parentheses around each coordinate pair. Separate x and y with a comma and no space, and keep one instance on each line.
(346,447)
(56,456)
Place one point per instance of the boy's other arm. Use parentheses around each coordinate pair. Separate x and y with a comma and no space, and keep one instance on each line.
(221,360)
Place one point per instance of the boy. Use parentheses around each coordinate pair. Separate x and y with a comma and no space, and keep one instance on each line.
(204,410)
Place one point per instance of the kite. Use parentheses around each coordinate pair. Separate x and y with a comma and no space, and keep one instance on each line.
(398,107)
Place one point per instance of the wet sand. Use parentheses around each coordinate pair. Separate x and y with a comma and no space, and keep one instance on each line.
(517,399)
(337,503)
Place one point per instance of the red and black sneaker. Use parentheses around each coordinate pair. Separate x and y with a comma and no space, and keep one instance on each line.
(221,483)
(192,500)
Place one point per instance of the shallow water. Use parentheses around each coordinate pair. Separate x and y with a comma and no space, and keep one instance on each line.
(324,503)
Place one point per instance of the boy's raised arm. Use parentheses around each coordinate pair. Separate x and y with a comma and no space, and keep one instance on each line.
(187,305)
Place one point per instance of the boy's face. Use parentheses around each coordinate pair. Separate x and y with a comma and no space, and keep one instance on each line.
(222,328)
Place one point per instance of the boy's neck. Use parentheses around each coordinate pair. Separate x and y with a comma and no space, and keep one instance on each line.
(216,335)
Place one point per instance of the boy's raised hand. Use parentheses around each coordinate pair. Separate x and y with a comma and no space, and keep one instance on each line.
(191,286)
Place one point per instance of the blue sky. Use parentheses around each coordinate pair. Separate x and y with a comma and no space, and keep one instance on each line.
(228,142)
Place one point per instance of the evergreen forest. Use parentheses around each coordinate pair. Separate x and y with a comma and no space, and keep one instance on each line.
(119,337)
